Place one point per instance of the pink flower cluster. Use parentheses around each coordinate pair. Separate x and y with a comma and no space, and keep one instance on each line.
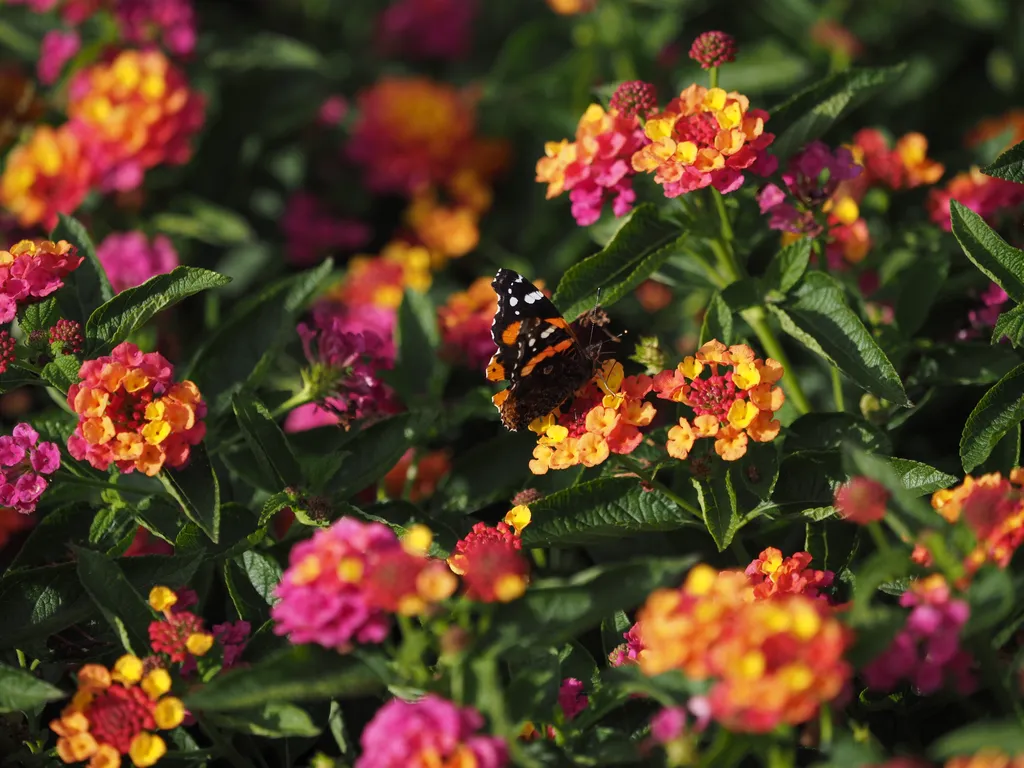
(427,29)
(23,462)
(312,232)
(812,177)
(431,731)
(32,270)
(129,259)
(345,355)
(231,636)
(927,650)
(56,50)
(985,195)
(571,697)
(142,21)
(984,317)
(629,651)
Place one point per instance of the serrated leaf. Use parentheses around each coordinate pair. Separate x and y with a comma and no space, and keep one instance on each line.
(266,440)
(267,51)
(717,322)
(921,479)
(811,112)
(718,503)
(818,310)
(1009,165)
(976,363)
(830,431)
(1003,736)
(87,287)
(1000,409)
(205,221)
(300,673)
(1010,325)
(997,259)
(599,510)
(274,720)
(196,488)
(273,505)
(21,691)
(643,234)
(62,372)
(788,266)
(116,320)
(39,316)
(124,608)
(263,573)
(418,372)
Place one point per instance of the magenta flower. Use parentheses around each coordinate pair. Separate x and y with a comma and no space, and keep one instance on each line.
(668,724)
(316,604)
(32,270)
(23,462)
(926,652)
(174,21)
(431,731)
(427,29)
(57,49)
(571,697)
(984,317)
(333,110)
(233,637)
(629,651)
(312,232)
(130,259)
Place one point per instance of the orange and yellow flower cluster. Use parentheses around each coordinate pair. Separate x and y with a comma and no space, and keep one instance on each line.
(491,564)
(604,418)
(732,407)
(772,574)
(131,413)
(771,662)
(115,713)
(465,323)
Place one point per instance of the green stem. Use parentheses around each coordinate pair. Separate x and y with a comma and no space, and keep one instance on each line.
(727,233)
(22,659)
(302,397)
(756,319)
(223,745)
(740,551)
(825,728)
(713,77)
(635,468)
(897,526)
(781,756)
(879,537)
(837,390)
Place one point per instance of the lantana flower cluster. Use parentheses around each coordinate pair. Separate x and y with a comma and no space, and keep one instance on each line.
(491,564)
(770,661)
(465,324)
(130,258)
(32,270)
(427,29)
(181,636)
(732,406)
(772,574)
(342,585)
(429,731)
(926,651)
(131,413)
(24,462)
(312,231)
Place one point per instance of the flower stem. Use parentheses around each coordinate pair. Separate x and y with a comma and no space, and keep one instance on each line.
(713,77)
(756,319)
(879,537)
(303,397)
(222,744)
(727,233)
(837,390)
(635,468)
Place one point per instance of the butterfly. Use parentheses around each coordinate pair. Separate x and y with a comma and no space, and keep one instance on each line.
(538,352)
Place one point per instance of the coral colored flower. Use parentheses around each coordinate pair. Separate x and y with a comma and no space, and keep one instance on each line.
(115,712)
(927,650)
(171,636)
(447,231)
(11,523)
(572,7)
(705,137)
(312,232)
(132,414)
(31,270)
(133,113)
(595,168)
(713,49)
(431,468)
(986,758)
(380,281)
(49,173)
(904,166)
(604,418)
(57,49)
(427,29)
(772,574)
(142,21)
(769,661)
(430,731)
(465,322)
(634,98)
(410,133)
(342,584)
(861,500)
(129,259)
(68,335)
(730,407)
(985,195)
(1009,127)
(992,507)
(490,564)
(24,462)
(837,39)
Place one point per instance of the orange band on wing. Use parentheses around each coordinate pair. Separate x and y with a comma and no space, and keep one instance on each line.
(558,322)
(511,333)
(544,354)
(499,398)
(495,370)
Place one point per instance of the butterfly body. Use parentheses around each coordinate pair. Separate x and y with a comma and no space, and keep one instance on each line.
(539,353)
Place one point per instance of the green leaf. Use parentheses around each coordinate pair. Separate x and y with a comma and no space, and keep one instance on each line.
(919,478)
(124,608)
(62,372)
(267,51)
(600,510)
(39,316)
(87,287)
(1004,736)
(718,503)
(553,611)
(373,451)
(196,488)
(418,372)
(274,720)
(817,315)
(991,597)
(788,266)
(997,259)
(116,320)
(21,691)
(1000,409)
(273,505)
(966,363)
(644,233)
(266,440)
(831,431)
(811,112)
(919,285)
(1011,325)
(206,222)
(717,321)
(263,573)
(299,673)
(1009,165)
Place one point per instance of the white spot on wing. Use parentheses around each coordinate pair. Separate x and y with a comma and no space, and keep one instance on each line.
(513,301)
(545,333)
(532,297)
